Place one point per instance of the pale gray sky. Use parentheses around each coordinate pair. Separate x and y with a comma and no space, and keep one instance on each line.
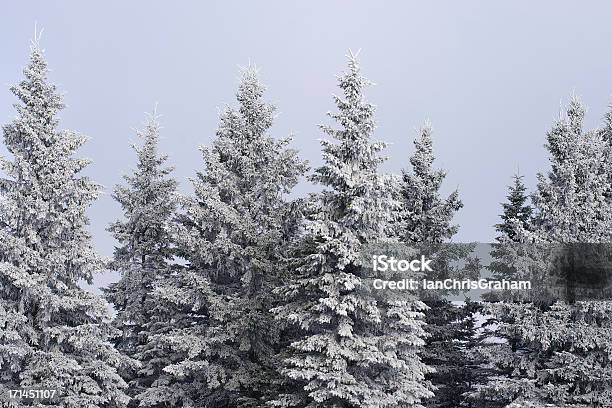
(489,76)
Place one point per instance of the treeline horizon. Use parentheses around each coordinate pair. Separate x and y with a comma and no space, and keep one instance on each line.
(237,295)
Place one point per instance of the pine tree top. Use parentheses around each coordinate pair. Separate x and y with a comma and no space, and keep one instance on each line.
(515,209)
(606,135)
(148,201)
(240,192)
(351,160)
(40,97)
(45,200)
(425,216)
(257,114)
(149,157)
(571,201)
(356,119)
(423,157)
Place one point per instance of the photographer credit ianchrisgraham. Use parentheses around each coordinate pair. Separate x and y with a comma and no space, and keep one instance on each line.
(384,263)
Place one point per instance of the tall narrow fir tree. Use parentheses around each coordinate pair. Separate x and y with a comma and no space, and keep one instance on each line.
(144,254)
(516,209)
(516,220)
(426,217)
(53,334)
(353,347)
(425,222)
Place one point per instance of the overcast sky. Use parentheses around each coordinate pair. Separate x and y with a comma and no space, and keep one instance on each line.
(489,76)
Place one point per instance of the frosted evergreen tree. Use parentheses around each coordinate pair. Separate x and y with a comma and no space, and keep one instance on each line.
(508,262)
(606,130)
(53,334)
(354,347)
(145,249)
(515,209)
(232,233)
(425,222)
(561,353)
(426,216)
(606,133)
(516,216)
(578,171)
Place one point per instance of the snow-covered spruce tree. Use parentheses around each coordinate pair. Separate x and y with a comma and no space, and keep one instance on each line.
(355,347)
(232,234)
(426,217)
(516,216)
(561,356)
(606,134)
(145,248)
(53,334)
(515,209)
(425,222)
(507,262)
(570,202)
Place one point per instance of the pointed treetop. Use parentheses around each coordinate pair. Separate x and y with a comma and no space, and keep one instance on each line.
(38,64)
(515,209)
(150,133)
(248,74)
(353,58)
(154,113)
(516,192)
(607,127)
(351,81)
(152,119)
(35,41)
(154,116)
(39,97)
(256,112)
(566,135)
(423,157)
(575,113)
(249,88)
(250,70)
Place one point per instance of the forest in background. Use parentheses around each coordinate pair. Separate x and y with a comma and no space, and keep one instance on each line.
(238,296)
